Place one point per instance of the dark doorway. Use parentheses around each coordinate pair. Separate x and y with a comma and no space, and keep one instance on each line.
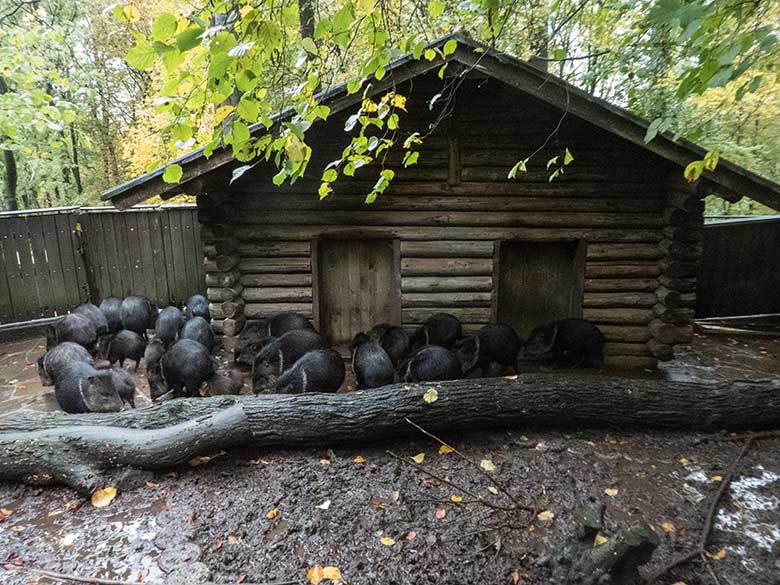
(537,282)
(359,285)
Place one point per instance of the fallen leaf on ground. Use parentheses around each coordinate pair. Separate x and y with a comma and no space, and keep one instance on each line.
(332,573)
(611,492)
(493,490)
(102,498)
(315,574)
(396,496)
(241,579)
(5,513)
(456,499)
(545,516)
(721,554)
(151,484)
(377,504)
(255,462)
(387,541)
(513,377)
(679,583)
(717,478)
(431,395)
(232,539)
(444,449)
(195,461)
(272,514)
(515,577)
(54,513)
(600,539)
(419,458)
(324,461)
(324,505)
(411,535)
(440,513)
(668,526)
(487,465)
(218,544)
(142,574)
(684,461)
(359,459)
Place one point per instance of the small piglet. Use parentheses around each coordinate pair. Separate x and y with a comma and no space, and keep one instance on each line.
(441,329)
(169,323)
(81,388)
(198,329)
(573,342)
(187,364)
(74,327)
(138,314)
(125,345)
(430,364)
(492,351)
(95,315)
(371,363)
(51,363)
(280,353)
(393,340)
(111,308)
(321,370)
(197,306)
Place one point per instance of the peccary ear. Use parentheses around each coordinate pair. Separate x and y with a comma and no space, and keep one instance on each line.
(550,335)
(467,351)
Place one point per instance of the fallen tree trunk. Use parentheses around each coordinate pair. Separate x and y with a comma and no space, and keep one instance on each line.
(74,449)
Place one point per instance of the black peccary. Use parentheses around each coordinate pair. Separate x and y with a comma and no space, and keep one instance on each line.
(393,340)
(54,360)
(81,388)
(168,325)
(321,370)
(111,309)
(187,364)
(124,385)
(280,354)
(492,351)
(153,352)
(249,341)
(221,383)
(126,345)
(283,323)
(432,363)
(74,327)
(198,329)
(371,363)
(573,342)
(441,329)
(138,314)
(95,315)
(197,306)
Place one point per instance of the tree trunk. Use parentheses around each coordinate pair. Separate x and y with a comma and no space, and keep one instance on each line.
(9,160)
(75,168)
(75,449)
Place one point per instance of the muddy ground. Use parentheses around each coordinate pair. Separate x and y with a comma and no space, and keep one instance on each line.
(269,515)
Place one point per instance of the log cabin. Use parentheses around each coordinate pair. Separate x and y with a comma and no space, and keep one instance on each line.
(615,237)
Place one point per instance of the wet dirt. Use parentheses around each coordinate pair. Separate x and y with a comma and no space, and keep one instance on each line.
(211,521)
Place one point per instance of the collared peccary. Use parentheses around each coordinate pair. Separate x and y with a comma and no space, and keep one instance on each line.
(254,332)
(53,361)
(221,383)
(492,351)
(124,385)
(126,345)
(370,362)
(168,325)
(74,327)
(197,306)
(393,340)
(198,329)
(441,329)
(573,342)
(187,364)
(81,388)
(321,370)
(430,364)
(138,314)
(95,315)
(153,352)
(280,353)
(111,309)
(283,323)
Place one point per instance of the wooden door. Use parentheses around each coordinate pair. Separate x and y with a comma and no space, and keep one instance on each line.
(358,286)
(537,282)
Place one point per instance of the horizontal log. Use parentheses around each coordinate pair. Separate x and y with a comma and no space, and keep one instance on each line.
(221,214)
(625,333)
(223,279)
(619,316)
(231,327)
(677,268)
(447,300)
(214,232)
(233,309)
(220,295)
(617,269)
(620,284)
(616,251)
(220,263)
(266,280)
(688,300)
(447,249)
(230,344)
(673,216)
(455,218)
(278,295)
(347,231)
(465,314)
(216,326)
(662,351)
(670,334)
(674,316)
(630,362)
(684,233)
(678,284)
(412,284)
(669,298)
(617,348)
(680,250)
(690,202)
(573,174)
(250,249)
(258,310)
(215,311)
(447,266)
(215,248)
(282,265)
(627,299)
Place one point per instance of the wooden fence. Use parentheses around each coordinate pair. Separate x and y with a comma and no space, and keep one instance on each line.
(740,269)
(53,259)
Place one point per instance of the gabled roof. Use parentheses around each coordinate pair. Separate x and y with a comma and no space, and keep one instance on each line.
(728,179)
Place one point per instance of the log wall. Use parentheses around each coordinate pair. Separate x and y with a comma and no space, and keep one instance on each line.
(449,211)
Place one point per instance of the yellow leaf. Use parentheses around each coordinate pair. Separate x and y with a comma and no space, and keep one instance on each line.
(456,499)
(315,574)
(398,101)
(232,539)
(272,514)
(131,12)
(222,113)
(387,541)
(545,516)
(369,106)
(487,465)
(431,395)
(717,478)
(359,459)
(332,573)
(493,490)
(611,492)
(151,484)
(679,583)
(419,458)
(600,539)
(684,461)
(444,449)
(515,577)
(721,554)
(668,526)
(195,461)
(102,498)
(245,9)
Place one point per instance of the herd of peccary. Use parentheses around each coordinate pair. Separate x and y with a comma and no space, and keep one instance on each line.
(287,354)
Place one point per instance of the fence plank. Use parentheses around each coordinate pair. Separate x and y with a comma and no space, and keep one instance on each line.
(8,260)
(68,257)
(46,294)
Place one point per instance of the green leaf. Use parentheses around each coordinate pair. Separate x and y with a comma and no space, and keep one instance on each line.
(567,157)
(142,56)
(219,65)
(164,26)
(330,175)
(324,190)
(552,161)
(392,122)
(430,54)
(436,8)
(172,173)
(308,44)
(442,69)
(189,38)
(240,132)
(694,170)
(519,166)
(559,54)
(449,47)
(279,177)
(353,86)
(248,109)
(652,130)
(410,158)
